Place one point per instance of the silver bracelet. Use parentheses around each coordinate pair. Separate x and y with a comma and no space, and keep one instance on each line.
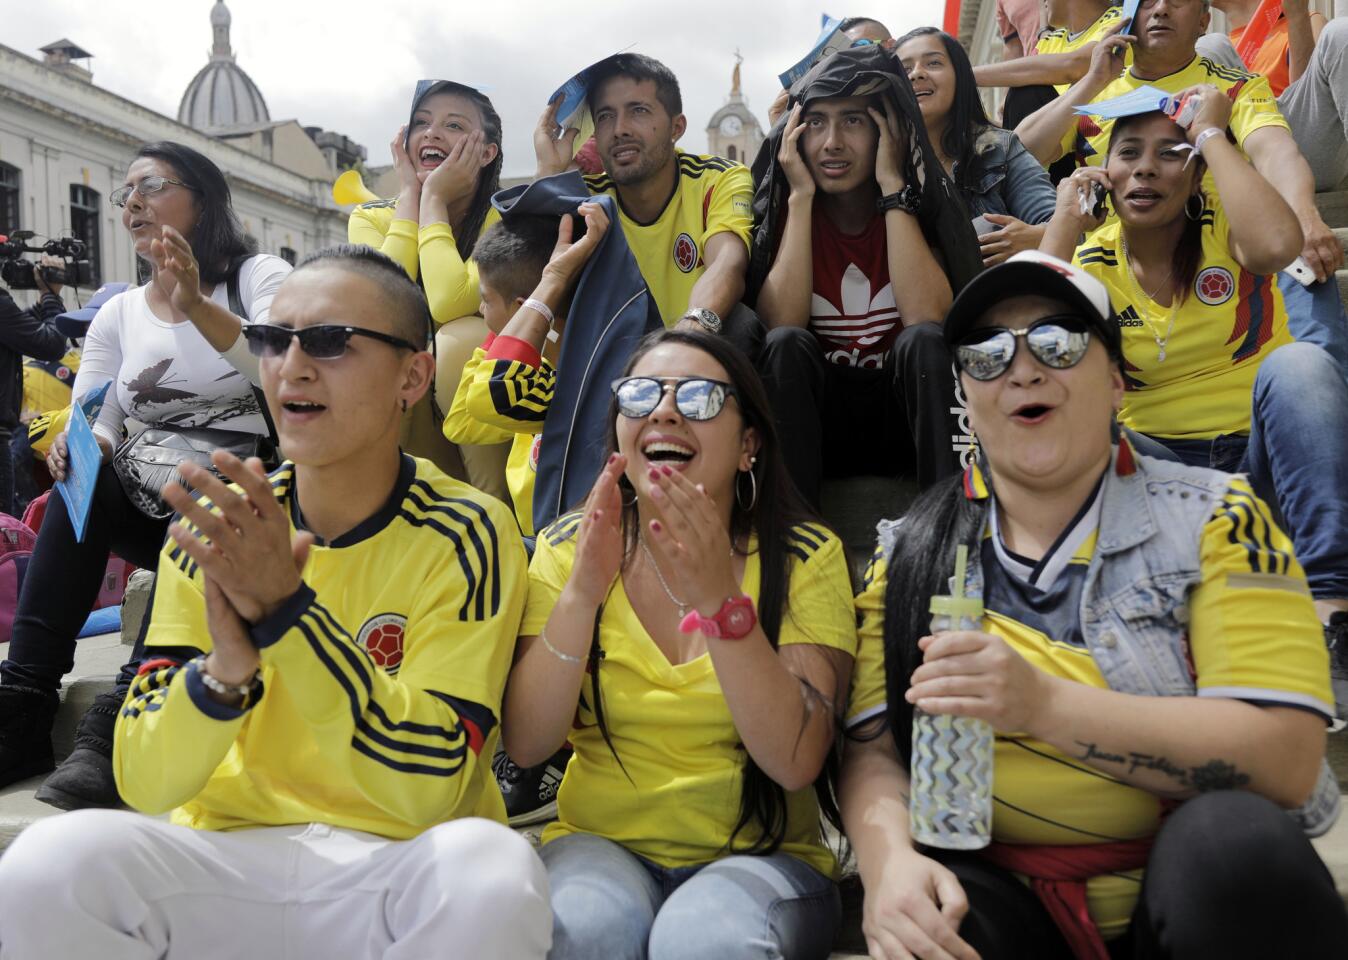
(564,657)
(544,311)
(1204,137)
(219,686)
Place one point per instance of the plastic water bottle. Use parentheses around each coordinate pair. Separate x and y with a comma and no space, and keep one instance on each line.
(951,805)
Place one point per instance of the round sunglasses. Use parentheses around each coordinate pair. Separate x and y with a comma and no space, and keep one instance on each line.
(697,398)
(324,341)
(1058,342)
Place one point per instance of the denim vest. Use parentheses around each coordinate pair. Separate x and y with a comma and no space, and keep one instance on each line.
(1134,606)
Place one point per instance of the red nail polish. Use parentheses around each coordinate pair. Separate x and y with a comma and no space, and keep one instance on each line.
(654,474)
(655,525)
(613,458)
(667,471)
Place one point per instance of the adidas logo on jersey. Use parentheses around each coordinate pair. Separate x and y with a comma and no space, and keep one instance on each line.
(1129,317)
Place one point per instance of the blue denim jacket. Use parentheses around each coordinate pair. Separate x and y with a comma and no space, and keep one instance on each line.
(1003,177)
(1134,605)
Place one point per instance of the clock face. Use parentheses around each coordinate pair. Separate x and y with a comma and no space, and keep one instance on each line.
(731,126)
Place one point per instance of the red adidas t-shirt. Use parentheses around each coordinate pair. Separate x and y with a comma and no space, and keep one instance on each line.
(852,312)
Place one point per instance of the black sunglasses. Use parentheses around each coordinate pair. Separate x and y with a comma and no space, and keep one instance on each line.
(697,398)
(1058,342)
(325,341)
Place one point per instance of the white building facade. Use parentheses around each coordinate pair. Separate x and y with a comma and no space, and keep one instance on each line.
(65,145)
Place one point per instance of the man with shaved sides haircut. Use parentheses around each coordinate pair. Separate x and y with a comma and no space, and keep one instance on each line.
(327,650)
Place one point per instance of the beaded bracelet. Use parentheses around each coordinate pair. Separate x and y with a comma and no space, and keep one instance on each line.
(219,686)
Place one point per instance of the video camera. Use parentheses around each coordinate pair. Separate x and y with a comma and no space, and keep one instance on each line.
(20,274)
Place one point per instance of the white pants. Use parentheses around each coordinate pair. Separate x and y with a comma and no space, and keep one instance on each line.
(113,885)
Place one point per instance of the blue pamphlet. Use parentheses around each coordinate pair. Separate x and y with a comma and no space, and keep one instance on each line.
(1142,100)
(829,42)
(83,461)
(571,111)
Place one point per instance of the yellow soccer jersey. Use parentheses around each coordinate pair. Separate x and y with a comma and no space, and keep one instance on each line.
(676,796)
(1254,636)
(503,395)
(1253,108)
(46,384)
(382,677)
(45,428)
(1229,322)
(1061,40)
(713,196)
(450,282)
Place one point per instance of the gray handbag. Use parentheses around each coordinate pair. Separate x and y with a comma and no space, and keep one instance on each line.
(147,461)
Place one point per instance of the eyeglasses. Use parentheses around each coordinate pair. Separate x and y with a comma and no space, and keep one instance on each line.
(697,398)
(325,341)
(1058,342)
(148,187)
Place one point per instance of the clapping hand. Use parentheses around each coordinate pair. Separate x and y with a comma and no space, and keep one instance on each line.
(690,541)
(599,543)
(247,547)
(172,256)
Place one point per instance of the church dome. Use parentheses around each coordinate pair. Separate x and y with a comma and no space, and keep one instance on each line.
(222,96)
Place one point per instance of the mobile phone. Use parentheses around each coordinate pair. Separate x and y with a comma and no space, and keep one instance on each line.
(983,225)
(1299,272)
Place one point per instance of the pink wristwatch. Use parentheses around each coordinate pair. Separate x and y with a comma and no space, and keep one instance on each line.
(733,621)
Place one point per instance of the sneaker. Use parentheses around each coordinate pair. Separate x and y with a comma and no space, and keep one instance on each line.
(1336,638)
(85,778)
(26,717)
(530,795)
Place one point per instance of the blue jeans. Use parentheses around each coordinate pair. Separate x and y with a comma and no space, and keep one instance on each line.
(608,902)
(1315,314)
(1296,456)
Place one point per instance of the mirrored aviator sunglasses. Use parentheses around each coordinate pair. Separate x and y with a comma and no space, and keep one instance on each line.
(697,398)
(1058,342)
(326,341)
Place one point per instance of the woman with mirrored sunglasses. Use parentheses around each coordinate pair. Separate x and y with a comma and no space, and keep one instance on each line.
(689,629)
(1191,260)
(172,357)
(447,157)
(1146,653)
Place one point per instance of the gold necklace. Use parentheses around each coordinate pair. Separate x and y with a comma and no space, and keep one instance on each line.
(1174,302)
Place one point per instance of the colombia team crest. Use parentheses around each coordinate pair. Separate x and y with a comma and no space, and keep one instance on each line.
(382,638)
(1214,286)
(685,252)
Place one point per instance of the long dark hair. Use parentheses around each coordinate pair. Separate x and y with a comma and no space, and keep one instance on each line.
(488,178)
(967,118)
(1188,255)
(919,566)
(777,508)
(217,239)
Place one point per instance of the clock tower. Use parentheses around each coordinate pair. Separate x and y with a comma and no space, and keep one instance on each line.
(733,131)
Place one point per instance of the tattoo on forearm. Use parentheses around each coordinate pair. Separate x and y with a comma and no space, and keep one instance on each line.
(1216,774)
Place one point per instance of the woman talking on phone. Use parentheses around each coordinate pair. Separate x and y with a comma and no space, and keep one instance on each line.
(1213,372)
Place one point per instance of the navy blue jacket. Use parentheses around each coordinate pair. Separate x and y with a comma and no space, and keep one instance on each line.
(611,310)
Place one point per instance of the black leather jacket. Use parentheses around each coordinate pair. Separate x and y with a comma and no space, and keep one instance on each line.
(25,333)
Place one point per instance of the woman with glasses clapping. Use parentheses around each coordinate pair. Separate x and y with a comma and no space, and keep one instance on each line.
(172,358)
(690,630)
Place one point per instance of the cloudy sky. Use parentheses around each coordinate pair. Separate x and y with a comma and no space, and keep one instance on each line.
(350,66)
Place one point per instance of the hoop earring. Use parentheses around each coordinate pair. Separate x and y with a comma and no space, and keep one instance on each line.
(1201,204)
(626,488)
(753,496)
